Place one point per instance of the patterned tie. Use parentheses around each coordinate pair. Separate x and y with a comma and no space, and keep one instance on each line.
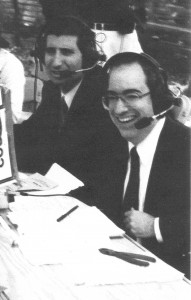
(131,198)
(63,110)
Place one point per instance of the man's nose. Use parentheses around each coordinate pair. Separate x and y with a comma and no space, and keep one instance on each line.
(120,106)
(57,59)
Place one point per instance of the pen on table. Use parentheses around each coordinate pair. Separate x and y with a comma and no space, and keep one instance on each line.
(67,214)
(115,237)
(9,232)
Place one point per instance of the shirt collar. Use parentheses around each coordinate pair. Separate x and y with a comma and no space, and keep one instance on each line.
(147,147)
(68,97)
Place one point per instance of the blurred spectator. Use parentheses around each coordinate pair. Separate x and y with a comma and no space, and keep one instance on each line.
(112,20)
(181,113)
(12,77)
(115,27)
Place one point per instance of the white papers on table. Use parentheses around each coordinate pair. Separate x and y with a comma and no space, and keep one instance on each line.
(43,240)
(72,245)
(57,180)
(33,182)
(3,279)
(99,269)
(29,204)
(36,182)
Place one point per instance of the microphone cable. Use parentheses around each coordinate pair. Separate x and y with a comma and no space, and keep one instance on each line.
(35,84)
(48,195)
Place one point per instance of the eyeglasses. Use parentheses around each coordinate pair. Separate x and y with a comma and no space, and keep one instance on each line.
(127,98)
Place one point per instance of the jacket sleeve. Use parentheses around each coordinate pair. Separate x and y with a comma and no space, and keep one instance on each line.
(33,155)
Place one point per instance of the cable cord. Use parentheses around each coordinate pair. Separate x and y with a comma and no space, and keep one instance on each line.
(35,84)
(33,195)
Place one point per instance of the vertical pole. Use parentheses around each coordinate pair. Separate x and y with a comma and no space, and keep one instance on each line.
(16,17)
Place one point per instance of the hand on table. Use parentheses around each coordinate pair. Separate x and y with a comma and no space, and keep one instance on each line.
(138,223)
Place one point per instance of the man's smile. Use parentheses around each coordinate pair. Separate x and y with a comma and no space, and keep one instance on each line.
(127,119)
(61,74)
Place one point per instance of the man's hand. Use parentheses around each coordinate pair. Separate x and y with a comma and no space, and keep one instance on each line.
(138,223)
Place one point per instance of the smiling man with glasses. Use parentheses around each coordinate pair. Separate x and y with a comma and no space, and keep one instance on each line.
(128,100)
(150,195)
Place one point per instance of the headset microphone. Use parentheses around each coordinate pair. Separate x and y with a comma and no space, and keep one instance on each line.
(67,73)
(102,58)
(87,69)
(146,121)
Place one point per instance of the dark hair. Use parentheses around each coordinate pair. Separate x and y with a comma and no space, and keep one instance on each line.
(69,25)
(157,79)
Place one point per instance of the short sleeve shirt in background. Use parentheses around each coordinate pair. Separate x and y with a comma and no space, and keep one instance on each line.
(12,77)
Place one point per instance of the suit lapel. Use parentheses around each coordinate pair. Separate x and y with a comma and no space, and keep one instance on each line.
(86,94)
(162,162)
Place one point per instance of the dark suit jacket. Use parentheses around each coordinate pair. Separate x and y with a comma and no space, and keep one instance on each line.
(83,146)
(167,195)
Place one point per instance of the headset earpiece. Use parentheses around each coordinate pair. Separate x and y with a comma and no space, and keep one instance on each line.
(162,96)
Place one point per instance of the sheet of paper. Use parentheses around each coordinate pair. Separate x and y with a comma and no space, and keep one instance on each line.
(82,263)
(65,180)
(34,182)
(99,269)
(41,236)
(4,276)
(56,181)
(58,204)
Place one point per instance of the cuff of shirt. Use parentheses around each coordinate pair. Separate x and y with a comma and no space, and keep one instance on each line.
(157,230)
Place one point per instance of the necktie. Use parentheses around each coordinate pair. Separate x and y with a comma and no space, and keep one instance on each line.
(63,110)
(131,198)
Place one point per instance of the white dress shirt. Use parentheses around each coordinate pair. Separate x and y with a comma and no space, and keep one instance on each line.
(146,150)
(68,97)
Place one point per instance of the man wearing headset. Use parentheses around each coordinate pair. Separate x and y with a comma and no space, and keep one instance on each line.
(157,212)
(70,127)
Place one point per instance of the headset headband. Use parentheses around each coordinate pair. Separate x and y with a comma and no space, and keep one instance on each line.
(123,55)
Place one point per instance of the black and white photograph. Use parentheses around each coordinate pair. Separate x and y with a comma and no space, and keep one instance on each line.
(95,149)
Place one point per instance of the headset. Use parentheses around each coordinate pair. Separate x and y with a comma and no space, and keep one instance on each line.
(70,25)
(163,99)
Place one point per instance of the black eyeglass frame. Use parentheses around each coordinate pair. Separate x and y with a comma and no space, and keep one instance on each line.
(125,98)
